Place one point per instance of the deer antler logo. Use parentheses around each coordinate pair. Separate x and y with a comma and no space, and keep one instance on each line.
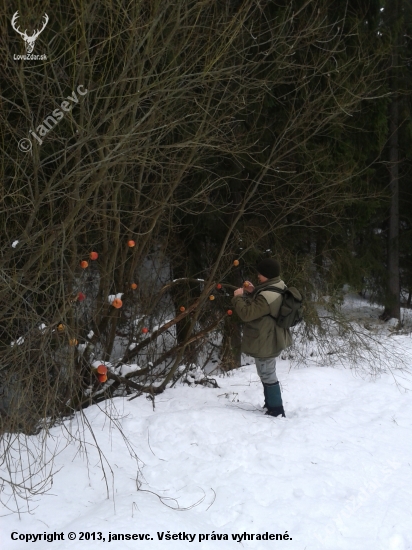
(29,40)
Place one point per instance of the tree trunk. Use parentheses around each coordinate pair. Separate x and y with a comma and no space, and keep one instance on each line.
(392,308)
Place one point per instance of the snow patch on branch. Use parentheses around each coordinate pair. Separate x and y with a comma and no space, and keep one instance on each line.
(112,297)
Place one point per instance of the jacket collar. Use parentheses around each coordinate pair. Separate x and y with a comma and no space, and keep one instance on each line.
(267,283)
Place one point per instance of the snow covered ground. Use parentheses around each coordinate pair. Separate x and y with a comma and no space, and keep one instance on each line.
(335,474)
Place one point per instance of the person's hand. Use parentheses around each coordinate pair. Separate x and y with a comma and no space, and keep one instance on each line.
(238,292)
(248,286)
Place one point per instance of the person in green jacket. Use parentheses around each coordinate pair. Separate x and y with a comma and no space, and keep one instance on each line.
(258,307)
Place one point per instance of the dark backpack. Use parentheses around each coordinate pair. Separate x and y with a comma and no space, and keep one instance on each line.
(291,310)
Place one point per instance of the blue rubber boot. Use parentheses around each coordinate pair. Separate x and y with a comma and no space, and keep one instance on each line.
(273,400)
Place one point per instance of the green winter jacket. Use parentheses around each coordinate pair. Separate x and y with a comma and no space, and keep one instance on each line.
(262,338)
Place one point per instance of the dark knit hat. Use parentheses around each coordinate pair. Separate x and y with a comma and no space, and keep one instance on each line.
(268,267)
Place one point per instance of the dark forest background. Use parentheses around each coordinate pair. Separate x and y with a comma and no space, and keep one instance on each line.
(210,132)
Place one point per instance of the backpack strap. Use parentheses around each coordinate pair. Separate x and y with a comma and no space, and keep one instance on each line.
(272,289)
